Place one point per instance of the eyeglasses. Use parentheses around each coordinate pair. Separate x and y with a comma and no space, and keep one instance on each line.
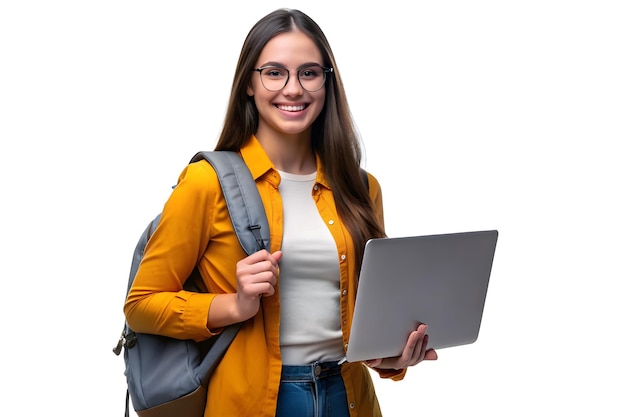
(276,78)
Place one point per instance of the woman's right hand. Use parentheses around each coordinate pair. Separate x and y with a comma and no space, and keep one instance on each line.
(257,275)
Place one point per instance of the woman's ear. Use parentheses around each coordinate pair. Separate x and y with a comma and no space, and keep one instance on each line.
(250,91)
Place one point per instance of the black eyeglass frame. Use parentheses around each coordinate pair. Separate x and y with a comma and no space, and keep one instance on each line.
(324,71)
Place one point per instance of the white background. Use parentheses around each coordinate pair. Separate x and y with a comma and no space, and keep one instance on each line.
(505,115)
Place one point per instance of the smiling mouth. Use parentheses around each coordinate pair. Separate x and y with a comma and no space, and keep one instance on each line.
(292,108)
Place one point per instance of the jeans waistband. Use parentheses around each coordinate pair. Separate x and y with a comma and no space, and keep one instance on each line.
(312,372)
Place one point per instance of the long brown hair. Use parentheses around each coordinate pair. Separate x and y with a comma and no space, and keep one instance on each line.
(333,134)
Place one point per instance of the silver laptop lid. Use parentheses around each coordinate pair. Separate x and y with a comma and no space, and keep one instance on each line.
(440,280)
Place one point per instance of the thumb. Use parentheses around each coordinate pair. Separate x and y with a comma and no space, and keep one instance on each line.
(373,363)
(277,255)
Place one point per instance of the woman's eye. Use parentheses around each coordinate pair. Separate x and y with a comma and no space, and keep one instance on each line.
(274,72)
(309,73)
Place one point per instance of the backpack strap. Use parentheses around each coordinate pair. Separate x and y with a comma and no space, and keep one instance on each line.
(247,214)
(250,223)
(246,211)
(242,198)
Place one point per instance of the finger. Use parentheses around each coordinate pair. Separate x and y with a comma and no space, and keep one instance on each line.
(263,281)
(418,349)
(373,363)
(256,257)
(422,349)
(431,355)
(260,271)
(259,289)
(419,339)
(422,328)
(261,258)
(277,256)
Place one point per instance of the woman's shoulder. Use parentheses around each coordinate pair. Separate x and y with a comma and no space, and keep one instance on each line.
(198,176)
(200,170)
(372,183)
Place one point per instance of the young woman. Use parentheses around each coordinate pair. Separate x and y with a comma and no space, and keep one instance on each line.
(288,117)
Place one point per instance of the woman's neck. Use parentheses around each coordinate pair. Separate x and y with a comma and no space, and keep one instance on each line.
(292,154)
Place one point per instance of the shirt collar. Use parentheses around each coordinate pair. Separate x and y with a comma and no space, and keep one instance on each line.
(255,158)
(259,163)
(321,178)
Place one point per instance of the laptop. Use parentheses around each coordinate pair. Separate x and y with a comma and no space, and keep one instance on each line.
(440,280)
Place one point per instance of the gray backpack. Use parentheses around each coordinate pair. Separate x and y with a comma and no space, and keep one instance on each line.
(169,377)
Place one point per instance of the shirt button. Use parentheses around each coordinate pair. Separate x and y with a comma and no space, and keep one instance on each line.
(343,257)
(315,187)
(352,406)
(331,222)
(344,292)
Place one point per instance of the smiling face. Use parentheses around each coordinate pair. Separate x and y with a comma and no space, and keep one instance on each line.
(291,110)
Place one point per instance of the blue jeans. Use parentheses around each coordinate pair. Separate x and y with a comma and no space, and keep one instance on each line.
(315,390)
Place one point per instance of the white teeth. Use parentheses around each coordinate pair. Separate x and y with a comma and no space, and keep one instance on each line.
(291,108)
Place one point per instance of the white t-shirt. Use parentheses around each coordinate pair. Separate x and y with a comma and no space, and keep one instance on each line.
(310,320)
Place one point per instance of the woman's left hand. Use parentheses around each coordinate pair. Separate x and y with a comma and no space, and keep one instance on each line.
(415,351)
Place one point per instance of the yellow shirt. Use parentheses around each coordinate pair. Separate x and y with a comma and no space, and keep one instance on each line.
(195,228)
